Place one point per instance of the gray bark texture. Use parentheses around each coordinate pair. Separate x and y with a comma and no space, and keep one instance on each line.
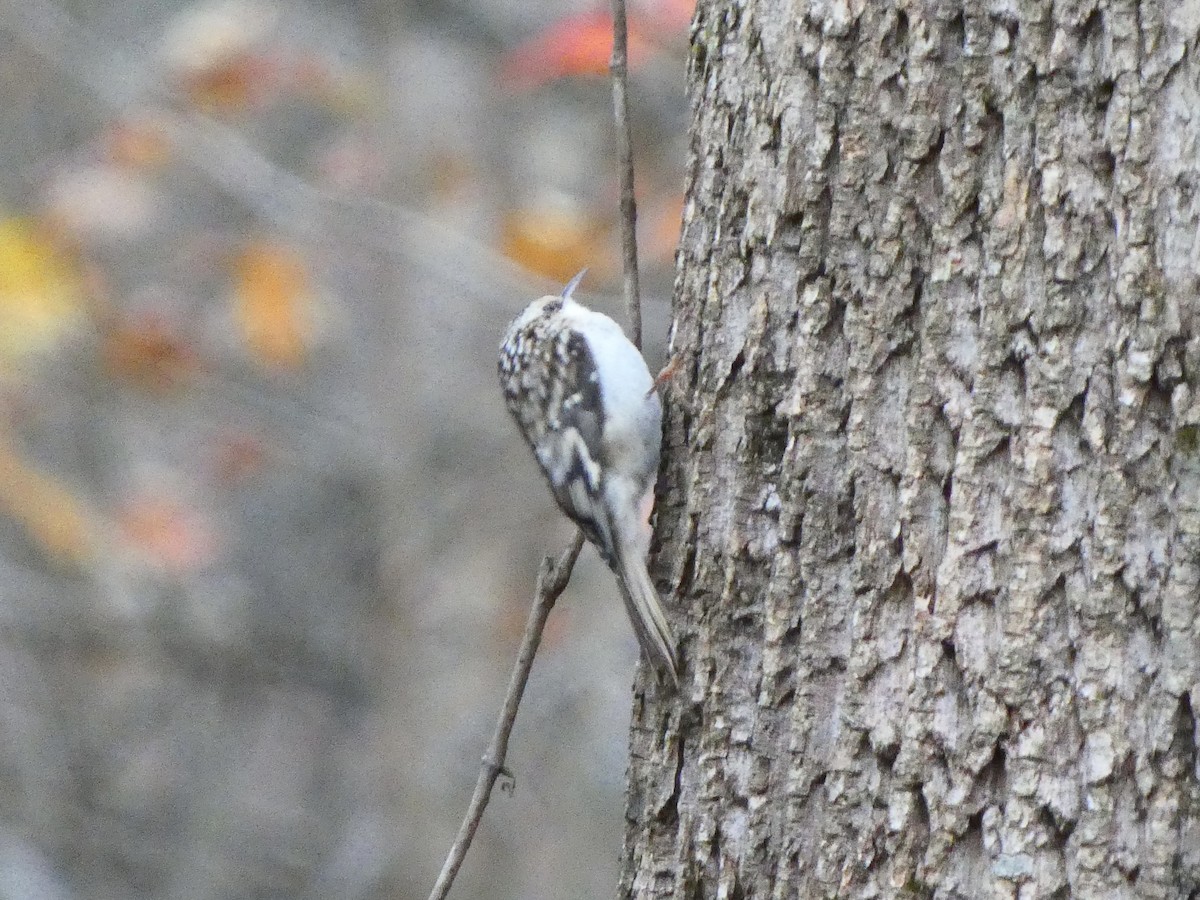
(929,517)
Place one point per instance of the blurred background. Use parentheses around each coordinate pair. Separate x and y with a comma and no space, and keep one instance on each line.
(267,538)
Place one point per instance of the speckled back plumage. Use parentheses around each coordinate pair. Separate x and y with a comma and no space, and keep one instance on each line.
(551,388)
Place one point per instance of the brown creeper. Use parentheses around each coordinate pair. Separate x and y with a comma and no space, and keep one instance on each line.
(585,402)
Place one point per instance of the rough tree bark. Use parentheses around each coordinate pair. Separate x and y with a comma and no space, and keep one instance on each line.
(930,507)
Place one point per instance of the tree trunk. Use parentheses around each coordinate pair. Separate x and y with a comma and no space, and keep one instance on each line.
(930,507)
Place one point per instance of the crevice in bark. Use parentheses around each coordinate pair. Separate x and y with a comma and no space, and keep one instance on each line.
(1012,25)
(1091,30)
(999,453)
(835,321)
(949,652)
(1185,732)
(900,29)
(933,154)
(735,369)
(668,812)
(954,38)
(886,755)
(692,882)
(970,210)
(974,830)
(1072,416)
(687,569)
(992,127)
(993,775)
(1104,164)
(921,809)
(1169,370)
(1057,827)
(785,686)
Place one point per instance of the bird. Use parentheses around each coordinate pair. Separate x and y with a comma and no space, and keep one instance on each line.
(586,404)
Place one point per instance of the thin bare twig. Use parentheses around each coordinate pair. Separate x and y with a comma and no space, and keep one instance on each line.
(620,70)
(552,580)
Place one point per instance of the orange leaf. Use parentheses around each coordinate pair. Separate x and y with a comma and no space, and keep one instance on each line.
(166,533)
(274,305)
(238,455)
(50,514)
(577,45)
(147,352)
(242,83)
(216,51)
(553,242)
(138,143)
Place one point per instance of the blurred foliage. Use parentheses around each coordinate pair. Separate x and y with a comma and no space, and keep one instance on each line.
(266,535)
(274,304)
(49,511)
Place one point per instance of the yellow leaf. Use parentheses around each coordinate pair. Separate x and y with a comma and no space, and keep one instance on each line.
(274,305)
(40,291)
(338,89)
(50,513)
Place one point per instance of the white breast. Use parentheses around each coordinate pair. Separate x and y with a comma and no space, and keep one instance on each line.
(632,412)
